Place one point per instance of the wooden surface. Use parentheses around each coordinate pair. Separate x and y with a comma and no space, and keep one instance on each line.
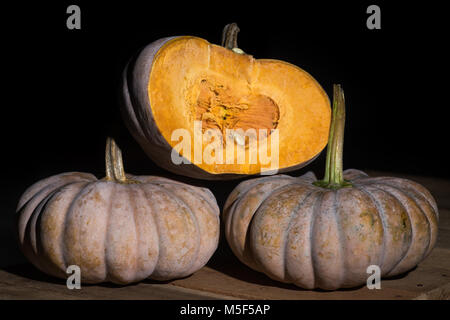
(226,278)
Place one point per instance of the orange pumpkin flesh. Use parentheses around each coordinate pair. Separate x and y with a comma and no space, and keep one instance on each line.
(192,79)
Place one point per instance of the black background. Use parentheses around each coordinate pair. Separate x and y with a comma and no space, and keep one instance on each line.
(63,84)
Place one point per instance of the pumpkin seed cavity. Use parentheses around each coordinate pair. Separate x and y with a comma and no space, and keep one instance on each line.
(219,107)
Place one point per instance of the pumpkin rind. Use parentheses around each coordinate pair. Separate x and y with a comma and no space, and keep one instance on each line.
(122,233)
(296,232)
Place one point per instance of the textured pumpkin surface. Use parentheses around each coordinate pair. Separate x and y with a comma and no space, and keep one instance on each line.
(176,81)
(154,228)
(313,237)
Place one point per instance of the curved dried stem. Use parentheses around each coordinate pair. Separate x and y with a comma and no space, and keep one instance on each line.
(114,164)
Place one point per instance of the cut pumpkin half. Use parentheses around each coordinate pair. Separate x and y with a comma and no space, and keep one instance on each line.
(205,111)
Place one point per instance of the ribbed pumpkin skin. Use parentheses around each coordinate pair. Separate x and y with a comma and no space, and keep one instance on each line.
(313,237)
(122,233)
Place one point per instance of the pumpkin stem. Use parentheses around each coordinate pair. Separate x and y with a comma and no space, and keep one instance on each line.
(114,163)
(334,177)
(229,37)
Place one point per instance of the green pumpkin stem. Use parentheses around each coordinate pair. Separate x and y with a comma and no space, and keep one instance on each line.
(114,163)
(334,177)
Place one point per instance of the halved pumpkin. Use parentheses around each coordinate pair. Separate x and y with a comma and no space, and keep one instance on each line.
(177,81)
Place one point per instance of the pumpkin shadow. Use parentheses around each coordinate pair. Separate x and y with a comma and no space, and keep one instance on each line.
(153,281)
(224,261)
(399,276)
(29,271)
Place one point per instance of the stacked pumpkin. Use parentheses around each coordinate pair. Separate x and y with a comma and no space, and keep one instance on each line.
(315,234)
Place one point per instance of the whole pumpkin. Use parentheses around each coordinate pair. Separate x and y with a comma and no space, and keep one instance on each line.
(176,82)
(120,229)
(324,234)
